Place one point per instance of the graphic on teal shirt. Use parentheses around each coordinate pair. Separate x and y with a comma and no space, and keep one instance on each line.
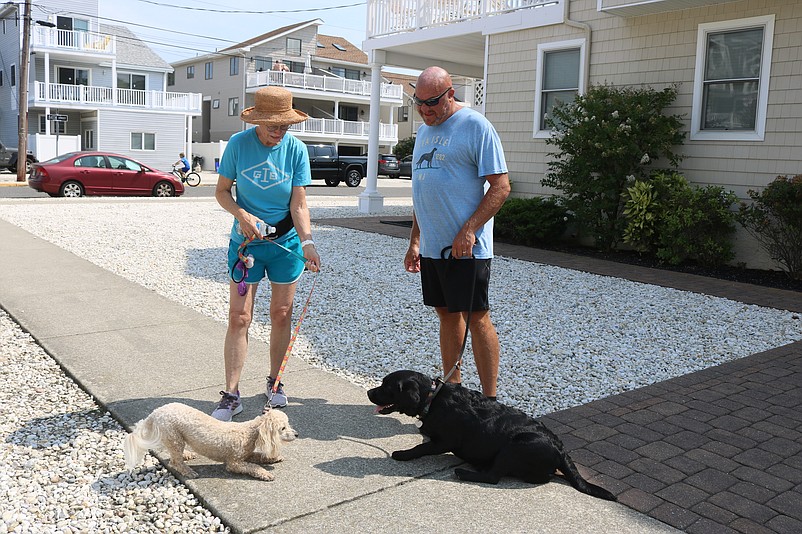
(266,175)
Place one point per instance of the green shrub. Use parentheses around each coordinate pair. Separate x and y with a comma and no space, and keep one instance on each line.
(697,224)
(404,147)
(671,220)
(644,205)
(774,218)
(606,139)
(531,221)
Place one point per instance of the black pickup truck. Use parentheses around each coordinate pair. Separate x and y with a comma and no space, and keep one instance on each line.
(327,165)
(8,159)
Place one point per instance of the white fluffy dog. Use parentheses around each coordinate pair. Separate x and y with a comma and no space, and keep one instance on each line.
(240,446)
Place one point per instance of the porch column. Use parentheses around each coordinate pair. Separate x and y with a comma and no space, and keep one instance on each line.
(370,200)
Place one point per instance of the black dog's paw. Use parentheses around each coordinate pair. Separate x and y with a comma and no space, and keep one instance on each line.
(403,456)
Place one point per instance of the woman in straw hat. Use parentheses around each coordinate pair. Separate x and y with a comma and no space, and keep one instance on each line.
(271,168)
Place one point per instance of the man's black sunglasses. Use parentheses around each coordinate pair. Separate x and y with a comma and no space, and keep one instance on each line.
(430,102)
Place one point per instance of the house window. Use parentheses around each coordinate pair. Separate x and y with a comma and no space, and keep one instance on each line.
(1,78)
(296,66)
(731,83)
(56,127)
(89,139)
(71,76)
(351,74)
(349,113)
(403,114)
(215,103)
(560,77)
(190,72)
(208,69)
(233,66)
(293,46)
(13,75)
(171,78)
(233,106)
(130,81)
(143,141)
(261,63)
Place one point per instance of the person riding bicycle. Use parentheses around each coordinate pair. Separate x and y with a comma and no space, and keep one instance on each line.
(184,164)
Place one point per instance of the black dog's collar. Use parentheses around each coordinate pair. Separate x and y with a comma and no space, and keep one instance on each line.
(436,386)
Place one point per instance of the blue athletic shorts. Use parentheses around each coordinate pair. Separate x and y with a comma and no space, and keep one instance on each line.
(269,260)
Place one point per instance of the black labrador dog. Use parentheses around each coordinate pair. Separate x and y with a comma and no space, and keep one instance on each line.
(498,440)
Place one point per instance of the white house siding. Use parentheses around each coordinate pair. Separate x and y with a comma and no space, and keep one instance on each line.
(114,130)
(656,50)
(84,9)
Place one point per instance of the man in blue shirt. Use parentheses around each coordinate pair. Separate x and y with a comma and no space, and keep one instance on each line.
(459,182)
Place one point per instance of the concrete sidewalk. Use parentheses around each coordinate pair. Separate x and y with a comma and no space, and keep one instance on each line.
(134,350)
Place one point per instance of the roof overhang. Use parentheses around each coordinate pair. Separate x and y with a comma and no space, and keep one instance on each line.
(458,47)
(628,8)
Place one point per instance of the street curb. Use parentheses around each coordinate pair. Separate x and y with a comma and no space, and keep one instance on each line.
(13,184)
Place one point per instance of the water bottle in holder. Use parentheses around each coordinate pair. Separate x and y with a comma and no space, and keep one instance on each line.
(265,229)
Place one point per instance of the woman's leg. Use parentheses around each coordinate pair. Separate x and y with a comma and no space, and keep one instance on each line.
(281,299)
(235,350)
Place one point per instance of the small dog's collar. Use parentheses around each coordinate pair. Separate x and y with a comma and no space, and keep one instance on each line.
(436,385)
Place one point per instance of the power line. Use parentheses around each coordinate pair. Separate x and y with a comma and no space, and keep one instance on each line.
(249,12)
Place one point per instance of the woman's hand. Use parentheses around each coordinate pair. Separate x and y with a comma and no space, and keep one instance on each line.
(312,257)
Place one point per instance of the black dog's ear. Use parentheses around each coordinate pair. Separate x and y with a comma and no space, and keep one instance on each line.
(411,390)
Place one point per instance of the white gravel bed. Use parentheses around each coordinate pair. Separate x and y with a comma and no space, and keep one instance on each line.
(566,337)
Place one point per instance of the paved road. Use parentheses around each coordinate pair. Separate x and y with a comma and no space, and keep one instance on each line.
(387,187)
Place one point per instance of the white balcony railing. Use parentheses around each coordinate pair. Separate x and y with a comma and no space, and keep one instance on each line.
(77,41)
(94,96)
(314,82)
(341,128)
(386,17)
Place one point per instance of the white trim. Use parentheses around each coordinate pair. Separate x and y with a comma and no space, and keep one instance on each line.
(697,134)
(541,52)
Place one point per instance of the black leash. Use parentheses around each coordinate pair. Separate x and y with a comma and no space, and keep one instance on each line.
(446,255)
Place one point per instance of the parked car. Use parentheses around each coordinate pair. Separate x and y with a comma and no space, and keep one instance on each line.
(405,166)
(76,174)
(8,159)
(388,165)
(328,165)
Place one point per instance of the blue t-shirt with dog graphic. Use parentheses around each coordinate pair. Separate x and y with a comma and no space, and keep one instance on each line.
(265,175)
(449,165)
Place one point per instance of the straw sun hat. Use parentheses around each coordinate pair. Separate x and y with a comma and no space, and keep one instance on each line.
(273,107)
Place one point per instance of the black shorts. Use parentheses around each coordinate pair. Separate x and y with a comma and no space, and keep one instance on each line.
(447,283)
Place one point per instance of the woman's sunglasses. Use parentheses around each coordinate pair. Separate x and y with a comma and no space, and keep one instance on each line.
(430,102)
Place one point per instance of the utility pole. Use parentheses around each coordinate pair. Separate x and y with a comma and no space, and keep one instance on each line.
(22,150)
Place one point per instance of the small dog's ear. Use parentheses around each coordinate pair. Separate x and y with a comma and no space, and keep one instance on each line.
(268,439)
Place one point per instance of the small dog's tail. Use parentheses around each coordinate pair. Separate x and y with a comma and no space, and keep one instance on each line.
(572,475)
(144,436)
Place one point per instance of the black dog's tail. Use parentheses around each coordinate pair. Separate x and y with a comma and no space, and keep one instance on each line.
(572,475)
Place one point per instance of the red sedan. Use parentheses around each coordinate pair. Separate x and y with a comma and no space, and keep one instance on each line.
(101,173)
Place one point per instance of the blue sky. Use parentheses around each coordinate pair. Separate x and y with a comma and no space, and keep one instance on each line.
(205,26)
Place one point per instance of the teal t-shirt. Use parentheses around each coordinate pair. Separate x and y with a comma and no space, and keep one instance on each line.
(449,165)
(265,175)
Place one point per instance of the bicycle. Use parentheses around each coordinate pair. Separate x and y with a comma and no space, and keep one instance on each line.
(190,178)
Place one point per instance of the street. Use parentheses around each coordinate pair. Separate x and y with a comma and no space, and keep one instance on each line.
(394,188)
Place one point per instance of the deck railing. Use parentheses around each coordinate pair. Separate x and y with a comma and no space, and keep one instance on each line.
(95,96)
(342,128)
(386,17)
(79,41)
(315,82)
